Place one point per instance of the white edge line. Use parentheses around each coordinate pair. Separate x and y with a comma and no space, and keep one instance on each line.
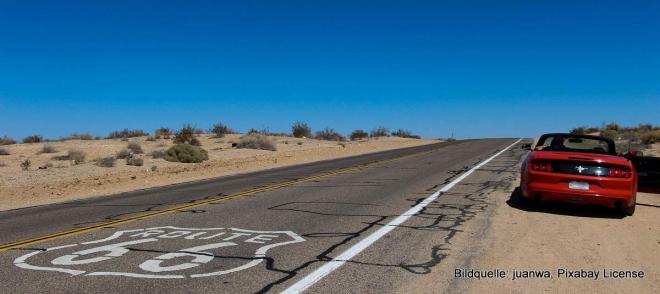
(354,250)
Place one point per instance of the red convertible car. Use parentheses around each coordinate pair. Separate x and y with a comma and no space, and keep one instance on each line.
(579,169)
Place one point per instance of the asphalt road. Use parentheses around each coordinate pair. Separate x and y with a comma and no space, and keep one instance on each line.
(212,236)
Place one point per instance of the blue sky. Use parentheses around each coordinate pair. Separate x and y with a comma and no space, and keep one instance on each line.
(475,69)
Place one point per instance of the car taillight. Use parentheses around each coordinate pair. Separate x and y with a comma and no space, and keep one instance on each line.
(539,165)
(620,172)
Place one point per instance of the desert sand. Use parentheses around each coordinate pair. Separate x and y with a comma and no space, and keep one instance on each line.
(61,180)
(508,239)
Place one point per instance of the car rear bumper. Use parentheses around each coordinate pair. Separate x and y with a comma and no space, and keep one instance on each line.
(602,191)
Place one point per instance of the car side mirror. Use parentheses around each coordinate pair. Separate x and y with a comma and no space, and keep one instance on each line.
(526,146)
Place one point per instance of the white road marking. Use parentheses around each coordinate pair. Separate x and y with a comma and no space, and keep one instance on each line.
(266,239)
(338,261)
(20,262)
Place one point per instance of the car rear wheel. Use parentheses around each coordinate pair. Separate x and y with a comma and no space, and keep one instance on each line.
(522,201)
(628,210)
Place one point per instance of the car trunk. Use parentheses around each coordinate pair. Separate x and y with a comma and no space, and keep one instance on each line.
(600,174)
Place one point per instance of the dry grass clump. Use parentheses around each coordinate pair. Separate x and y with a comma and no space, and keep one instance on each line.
(157,153)
(134,161)
(48,149)
(83,136)
(25,164)
(135,148)
(106,161)
(7,141)
(256,141)
(4,151)
(301,129)
(358,135)
(77,156)
(124,153)
(126,133)
(33,139)
(186,153)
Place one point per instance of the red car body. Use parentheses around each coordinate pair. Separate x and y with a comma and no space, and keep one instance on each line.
(579,176)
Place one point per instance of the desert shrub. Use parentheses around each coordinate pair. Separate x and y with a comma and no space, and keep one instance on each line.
(404,134)
(157,154)
(264,131)
(645,127)
(256,141)
(650,137)
(126,133)
(612,134)
(186,153)
(450,139)
(83,136)
(33,139)
(76,155)
(252,131)
(135,148)
(25,164)
(124,153)
(7,141)
(48,149)
(151,139)
(186,135)
(220,130)
(106,161)
(301,129)
(358,135)
(163,132)
(4,151)
(578,131)
(380,132)
(613,126)
(134,161)
(328,134)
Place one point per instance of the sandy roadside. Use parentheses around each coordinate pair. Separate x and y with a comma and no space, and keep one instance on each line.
(653,150)
(62,180)
(509,237)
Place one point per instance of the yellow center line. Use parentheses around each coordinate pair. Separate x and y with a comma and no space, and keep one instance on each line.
(213,200)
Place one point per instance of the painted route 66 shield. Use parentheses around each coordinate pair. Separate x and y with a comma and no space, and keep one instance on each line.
(161,253)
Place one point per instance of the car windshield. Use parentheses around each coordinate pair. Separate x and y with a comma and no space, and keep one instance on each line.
(571,143)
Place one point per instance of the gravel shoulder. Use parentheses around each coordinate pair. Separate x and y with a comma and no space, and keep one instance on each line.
(551,237)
